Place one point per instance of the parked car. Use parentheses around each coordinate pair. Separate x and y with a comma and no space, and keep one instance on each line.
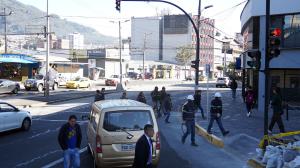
(13,118)
(146,76)
(132,75)
(8,86)
(115,79)
(223,82)
(113,129)
(79,83)
(38,82)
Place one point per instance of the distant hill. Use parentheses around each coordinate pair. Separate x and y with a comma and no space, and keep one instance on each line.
(25,15)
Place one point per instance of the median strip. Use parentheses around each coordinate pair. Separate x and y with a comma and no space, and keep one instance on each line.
(218,142)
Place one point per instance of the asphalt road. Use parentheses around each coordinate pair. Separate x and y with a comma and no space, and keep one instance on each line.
(38,147)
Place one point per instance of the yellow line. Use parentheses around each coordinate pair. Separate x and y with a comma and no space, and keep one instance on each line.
(218,142)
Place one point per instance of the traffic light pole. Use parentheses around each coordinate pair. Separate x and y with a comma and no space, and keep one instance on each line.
(267,72)
(195,29)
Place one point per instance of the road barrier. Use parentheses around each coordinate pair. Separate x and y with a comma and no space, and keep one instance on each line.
(209,137)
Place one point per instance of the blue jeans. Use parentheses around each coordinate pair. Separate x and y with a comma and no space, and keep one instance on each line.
(71,158)
(219,122)
(190,125)
(168,113)
(201,110)
(233,93)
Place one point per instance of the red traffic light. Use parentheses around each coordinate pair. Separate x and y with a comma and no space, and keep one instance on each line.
(276,32)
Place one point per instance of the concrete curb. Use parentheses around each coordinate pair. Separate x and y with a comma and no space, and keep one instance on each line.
(253,163)
(218,142)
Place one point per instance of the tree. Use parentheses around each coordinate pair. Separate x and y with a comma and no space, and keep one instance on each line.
(184,55)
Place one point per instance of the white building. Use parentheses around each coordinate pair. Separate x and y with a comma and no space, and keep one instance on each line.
(76,41)
(284,69)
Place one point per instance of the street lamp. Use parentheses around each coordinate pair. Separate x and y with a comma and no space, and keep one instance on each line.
(5,27)
(120,47)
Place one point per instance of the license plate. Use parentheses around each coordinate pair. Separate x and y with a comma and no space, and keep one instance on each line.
(127,147)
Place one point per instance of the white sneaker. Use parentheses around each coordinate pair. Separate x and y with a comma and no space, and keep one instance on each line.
(249,113)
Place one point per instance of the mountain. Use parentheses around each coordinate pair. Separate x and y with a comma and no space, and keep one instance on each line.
(29,19)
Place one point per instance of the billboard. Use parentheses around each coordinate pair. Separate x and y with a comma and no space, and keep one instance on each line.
(96,53)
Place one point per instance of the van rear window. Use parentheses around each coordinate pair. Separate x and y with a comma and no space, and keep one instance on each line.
(126,120)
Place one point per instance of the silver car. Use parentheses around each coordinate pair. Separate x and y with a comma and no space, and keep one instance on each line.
(8,86)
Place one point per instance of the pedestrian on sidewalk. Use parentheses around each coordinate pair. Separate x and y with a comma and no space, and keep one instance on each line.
(168,107)
(163,98)
(233,87)
(216,114)
(69,139)
(124,95)
(277,110)
(141,98)
(100,95)
(197,101)
(144,149)
(155,99)
(250,100)
(188,116)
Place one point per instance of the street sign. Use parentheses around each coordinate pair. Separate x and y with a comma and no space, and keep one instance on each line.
(207,69)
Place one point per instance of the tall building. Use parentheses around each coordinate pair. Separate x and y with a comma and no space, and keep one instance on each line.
(76,41)
(206,42)
(284,69)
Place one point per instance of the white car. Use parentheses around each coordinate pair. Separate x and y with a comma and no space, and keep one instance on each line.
(223,82)
(13,118)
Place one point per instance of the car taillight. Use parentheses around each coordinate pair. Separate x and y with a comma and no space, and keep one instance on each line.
(157,141)
(98,144)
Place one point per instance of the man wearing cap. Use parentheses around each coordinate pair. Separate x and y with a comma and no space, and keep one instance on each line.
(216,114)
(188,116)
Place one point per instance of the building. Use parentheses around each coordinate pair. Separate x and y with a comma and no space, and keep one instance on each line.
(63,44)
(156,40)
(207,41)
(76,41)
(284,69)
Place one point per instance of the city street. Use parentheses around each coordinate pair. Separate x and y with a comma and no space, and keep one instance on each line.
(39,146)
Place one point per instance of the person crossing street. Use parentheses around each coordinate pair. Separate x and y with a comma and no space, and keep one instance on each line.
(188,116)
(216,114)
(197,101)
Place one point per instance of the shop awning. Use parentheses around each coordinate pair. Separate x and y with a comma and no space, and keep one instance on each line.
(16,58)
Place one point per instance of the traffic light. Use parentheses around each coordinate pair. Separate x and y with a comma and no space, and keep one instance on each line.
(255,56)
(274,43)
(195,64)
(118,5)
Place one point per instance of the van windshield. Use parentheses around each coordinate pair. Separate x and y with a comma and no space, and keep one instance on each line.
(126,120)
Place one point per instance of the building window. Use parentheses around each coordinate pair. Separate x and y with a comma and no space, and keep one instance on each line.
(291,31)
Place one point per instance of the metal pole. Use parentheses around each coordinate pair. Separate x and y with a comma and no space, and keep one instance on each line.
(120,52)
(198,47)
(266,107)
(225,59)
(5,31)
(47,51)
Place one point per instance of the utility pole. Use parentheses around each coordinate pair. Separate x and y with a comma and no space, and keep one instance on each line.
(144,52)
(5,28)
(267,72)
(120,52)
(198,47)
(225,59)
(47,52)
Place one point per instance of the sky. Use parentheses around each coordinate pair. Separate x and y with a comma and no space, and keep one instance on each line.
(98,14)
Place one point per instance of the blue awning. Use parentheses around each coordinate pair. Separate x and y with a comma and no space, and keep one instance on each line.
(16,58)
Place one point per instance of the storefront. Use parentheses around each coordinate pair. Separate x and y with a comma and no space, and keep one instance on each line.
(17,67)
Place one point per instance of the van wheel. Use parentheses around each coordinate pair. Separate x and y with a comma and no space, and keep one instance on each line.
(55,86)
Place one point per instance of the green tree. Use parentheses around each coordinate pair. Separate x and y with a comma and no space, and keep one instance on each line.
(184,55)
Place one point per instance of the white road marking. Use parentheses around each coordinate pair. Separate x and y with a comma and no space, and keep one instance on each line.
(37,158)
(56,162)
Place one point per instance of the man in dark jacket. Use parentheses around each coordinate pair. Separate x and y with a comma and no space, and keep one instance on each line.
(163,98)
(69,139)
(197,101)
(188,115)
(216,114)
(100,95)
(144,149)
(155,98)
(277,110)
(168,107)
(233,87)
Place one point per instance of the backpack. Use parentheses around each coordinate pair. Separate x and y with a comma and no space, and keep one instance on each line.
(250,97)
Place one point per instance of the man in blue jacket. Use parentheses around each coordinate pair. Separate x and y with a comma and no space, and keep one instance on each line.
(69,139)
